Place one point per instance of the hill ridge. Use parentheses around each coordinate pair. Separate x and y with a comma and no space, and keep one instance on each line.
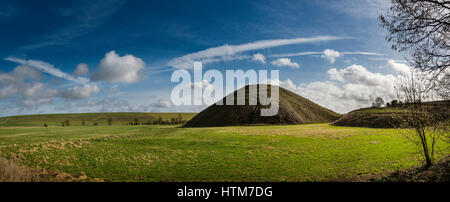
(293,109)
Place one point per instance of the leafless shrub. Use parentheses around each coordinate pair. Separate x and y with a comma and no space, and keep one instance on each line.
(425,120)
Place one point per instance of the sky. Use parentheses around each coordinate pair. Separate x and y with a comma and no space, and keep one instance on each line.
(119,55)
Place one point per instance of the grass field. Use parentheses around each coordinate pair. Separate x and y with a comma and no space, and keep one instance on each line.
(119,118)
(314,152)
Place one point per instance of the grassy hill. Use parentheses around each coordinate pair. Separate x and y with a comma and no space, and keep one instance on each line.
(293,109)
(118,118)
(384,117)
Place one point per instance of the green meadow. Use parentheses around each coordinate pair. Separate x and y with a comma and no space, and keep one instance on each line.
(313,152)
(119,118)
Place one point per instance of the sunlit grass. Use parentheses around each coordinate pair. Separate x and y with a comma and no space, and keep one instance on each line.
(314,152)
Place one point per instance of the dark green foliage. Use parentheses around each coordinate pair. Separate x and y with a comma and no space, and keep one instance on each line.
(109,121)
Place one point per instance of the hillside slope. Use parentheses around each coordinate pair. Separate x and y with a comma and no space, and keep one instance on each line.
(293,109)
(385,117)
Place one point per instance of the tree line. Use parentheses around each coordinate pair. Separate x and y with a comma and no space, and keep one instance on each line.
(136,121)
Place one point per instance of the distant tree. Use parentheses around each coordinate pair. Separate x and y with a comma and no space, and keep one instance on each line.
(67,122)
(82,122)
(160,120)
(378,102)
(388,104)
(394,103)
(109,121)
(45,125)
(136,121)
(180,118)
(95,124)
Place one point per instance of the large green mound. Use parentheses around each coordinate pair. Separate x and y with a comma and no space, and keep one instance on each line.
(388,117)
(118,118)
(293,109)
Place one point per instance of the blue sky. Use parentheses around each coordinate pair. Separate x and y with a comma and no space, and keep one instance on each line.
(88,56)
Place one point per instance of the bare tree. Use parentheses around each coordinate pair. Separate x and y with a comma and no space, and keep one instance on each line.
(424,119)
(379,102)
(423,28)
(109,121)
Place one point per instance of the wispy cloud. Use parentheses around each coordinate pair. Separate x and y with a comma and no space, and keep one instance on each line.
(322,53)
(328,54)
(226,51)
(366,9)
(48,68)
(87,16)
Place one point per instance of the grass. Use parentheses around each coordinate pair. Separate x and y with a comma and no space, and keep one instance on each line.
(314,152)
(119,118)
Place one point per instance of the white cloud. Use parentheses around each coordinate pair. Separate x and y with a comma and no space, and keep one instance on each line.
(81,70)
(217,53)
(335,75)
(285,62)
(114,68)
(162,104)
(347,89)
(259,57)
(34,102)
(80,92)
(24,72)
(8,91)
(48,68)
(20,85)
(399,67)
(37,94)
(331,55)
(360,75)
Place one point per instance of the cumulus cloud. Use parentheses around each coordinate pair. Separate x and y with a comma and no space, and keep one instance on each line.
(335,75)
(37,94)
(285,62)
(81,70)
(8,91)
(80,92)
(25,72)
(259,57)
(399,67)
(347,89)
(47,68)
(225,51)
(161,104)
(360,75)
(21,85)
(114,68)
(331,55)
